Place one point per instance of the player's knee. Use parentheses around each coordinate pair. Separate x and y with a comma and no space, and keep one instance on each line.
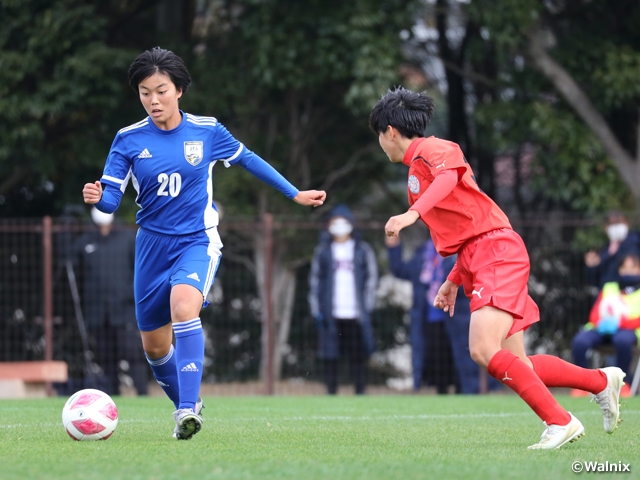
(480,355)
(184,310)
(156,351)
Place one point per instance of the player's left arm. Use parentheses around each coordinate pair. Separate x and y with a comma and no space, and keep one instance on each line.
(446,297)
(259,168)
(262,170)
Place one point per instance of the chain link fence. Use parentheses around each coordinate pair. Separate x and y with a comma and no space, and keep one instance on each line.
(260,336)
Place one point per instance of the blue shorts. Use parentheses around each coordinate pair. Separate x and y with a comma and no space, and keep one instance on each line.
(163,261)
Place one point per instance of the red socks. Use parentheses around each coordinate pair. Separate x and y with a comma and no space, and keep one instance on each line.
(555,372)
(514,373)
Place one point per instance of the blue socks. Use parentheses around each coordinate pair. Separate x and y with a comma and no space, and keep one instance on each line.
(189,358)
(166,373)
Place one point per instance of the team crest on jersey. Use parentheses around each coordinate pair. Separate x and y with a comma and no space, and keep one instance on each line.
(193,152)
(414,184)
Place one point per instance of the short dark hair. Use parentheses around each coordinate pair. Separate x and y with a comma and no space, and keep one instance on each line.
(408,112)
(614,216)
(159,60)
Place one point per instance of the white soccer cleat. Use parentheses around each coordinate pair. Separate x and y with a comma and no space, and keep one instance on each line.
(555,436)
(199,406)
(188,423)
(609,398)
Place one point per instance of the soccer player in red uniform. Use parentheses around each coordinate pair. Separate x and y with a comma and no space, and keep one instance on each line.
(492,265)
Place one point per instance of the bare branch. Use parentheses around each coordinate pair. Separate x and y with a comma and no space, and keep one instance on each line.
(345,170)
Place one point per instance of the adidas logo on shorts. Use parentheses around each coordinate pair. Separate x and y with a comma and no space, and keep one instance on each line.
(190,368)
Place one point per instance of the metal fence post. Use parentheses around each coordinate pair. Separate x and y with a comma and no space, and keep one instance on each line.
(47,293)
(267,313)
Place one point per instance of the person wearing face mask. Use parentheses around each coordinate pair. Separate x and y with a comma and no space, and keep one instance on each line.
(602,267)
(342,295)
(103,259)
(614,320)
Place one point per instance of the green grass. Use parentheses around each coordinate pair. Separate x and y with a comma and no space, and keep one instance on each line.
(372,437)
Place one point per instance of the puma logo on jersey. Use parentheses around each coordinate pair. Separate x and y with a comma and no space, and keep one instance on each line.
(194,276)
(441,165)
(145,154)
(506,377)
(477,292)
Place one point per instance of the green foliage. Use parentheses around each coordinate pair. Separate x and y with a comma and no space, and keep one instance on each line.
(571,164)
(60,87)
(618,76)
(310,73)
(570,168)
(507,25)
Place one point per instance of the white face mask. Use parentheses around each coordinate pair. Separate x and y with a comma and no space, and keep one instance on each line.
(617,232)
(340,228)
(101,219)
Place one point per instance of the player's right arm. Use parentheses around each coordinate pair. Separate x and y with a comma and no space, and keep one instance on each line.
(108,200)
(115,178)
(92,192)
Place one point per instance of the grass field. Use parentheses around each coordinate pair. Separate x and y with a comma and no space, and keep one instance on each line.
(372,437)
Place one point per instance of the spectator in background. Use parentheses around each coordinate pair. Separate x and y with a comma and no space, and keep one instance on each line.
(437,341)
(602,267)
(614,320)
(342,295)
(104,257)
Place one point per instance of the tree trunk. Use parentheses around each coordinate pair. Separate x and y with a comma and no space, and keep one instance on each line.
(283,286)
(563,82)
(283,300)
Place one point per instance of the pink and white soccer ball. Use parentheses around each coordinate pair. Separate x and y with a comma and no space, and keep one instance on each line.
(90,415)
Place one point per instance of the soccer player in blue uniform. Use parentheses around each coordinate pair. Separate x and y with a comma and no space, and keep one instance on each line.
(169,158)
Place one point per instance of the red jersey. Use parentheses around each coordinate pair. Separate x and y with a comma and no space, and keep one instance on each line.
(463,214)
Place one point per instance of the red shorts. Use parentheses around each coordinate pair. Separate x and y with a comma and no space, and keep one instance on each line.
(494,267)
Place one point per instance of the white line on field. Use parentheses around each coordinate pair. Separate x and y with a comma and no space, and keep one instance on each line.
(337,418)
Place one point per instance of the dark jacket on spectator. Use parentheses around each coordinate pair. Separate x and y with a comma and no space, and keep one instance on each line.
(607,270)
(104,268)
(321,289)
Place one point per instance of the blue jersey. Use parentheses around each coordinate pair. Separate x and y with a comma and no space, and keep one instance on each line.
(172,172)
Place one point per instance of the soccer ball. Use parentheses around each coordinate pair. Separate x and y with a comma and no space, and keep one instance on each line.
(89,415)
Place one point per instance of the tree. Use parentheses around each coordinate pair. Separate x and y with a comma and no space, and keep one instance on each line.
(573,64)
(295,81)
(64,93)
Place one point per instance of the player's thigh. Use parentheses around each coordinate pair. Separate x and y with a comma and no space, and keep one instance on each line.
(199,260)
(155,258)
(186,302)
(497,272)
